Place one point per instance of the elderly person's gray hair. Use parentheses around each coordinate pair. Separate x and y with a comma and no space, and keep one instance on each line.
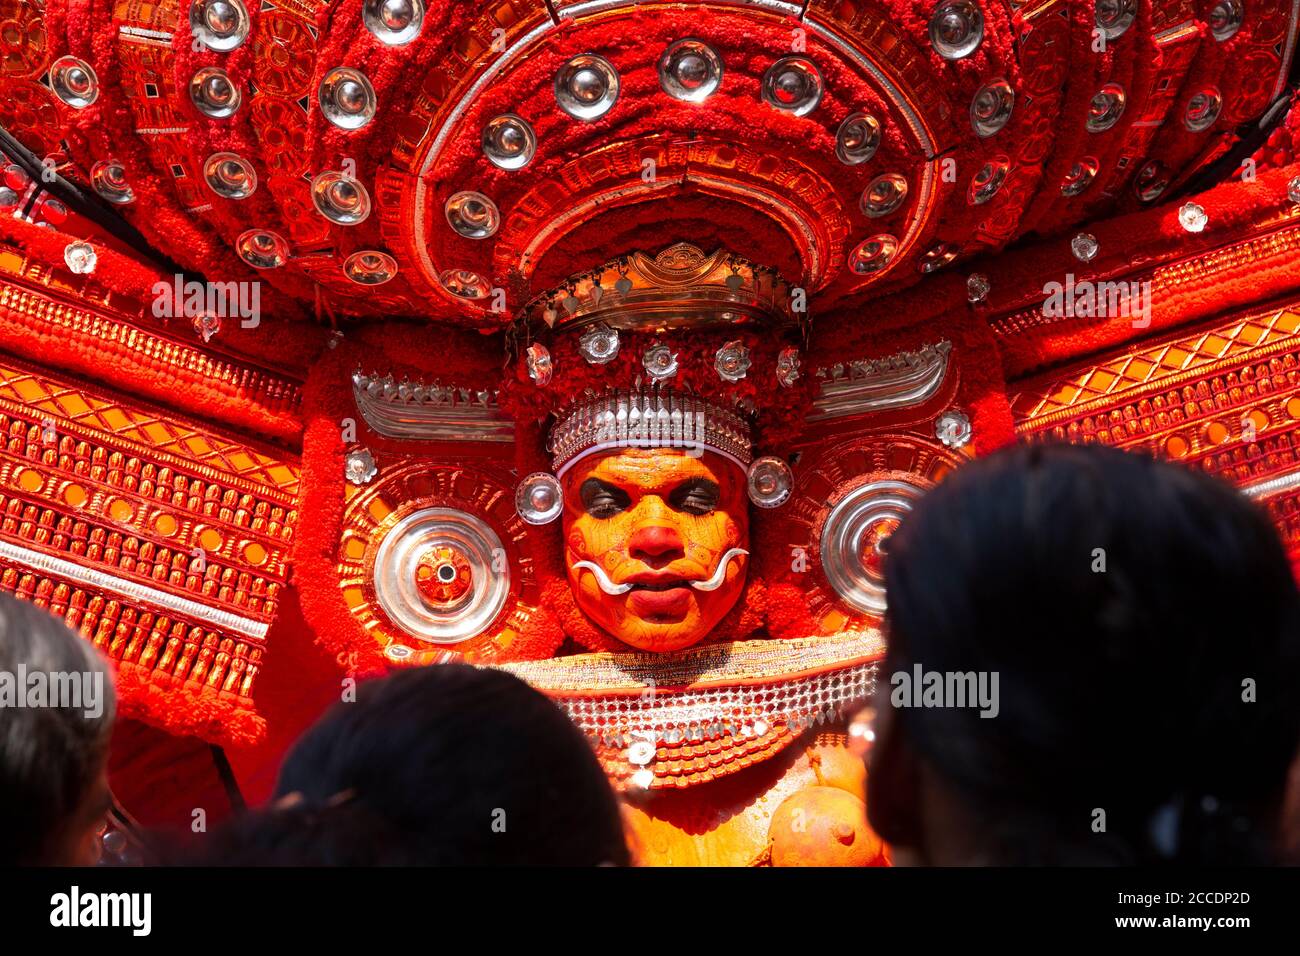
(50,754)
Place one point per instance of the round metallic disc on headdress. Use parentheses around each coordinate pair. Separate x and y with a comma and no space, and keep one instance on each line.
(230,175)
(370,267)
(857,139)
(587,87)
(538,498)
(1151,181)
(346,98)
(690,70)
(220,25)
(985,183)
(769,481)
(262,249)
(108,178)
(793,84)
(990,110)
(938,256)
(472,215)
(74,81)
(465,284)
(393,22)
(340,198)
(884,195)
(1114,17)
(1203,108)
(1106,108)
(509,142)
(872,255)
(956,29)
(213,93)
(1080,176)
(1226,19)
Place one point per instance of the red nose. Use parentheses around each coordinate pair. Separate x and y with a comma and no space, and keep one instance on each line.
(656,545)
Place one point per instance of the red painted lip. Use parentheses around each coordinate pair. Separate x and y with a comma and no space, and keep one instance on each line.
(656,580)
(672,604)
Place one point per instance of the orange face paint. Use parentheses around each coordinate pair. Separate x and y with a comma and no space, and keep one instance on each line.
(654,522)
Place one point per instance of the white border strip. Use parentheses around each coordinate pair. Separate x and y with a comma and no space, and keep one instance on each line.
(1272,486)
(38,560)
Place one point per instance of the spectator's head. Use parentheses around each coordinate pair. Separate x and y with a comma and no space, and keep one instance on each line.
(56,715)
(1144,629)
(470,766)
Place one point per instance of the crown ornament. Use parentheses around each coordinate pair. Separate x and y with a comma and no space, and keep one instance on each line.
(680,287)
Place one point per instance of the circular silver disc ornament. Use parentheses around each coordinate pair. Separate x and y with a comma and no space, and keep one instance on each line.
(472,215)
(476,548)
(1114,17)
(340,199)
(873,255)
(690,70)
(393,22)
(1080,176)
(851,528)
(74,82)
(985,183)
(858,139)
(1203,108)
(220,25)
(213,93)
(793,84)
(509,142)
(346,98)
(587,87)
(370,267)
(229,175)
(990,110)
(938,256)
(769,481)
(108,178)
(538,498)
(884,195)
(1106,108)
(465,284)
(1151,181)
(262,249)
(956,29)
(1226,19)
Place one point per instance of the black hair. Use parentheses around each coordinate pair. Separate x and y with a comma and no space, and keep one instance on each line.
(1144,624)
(469,765)
(50,756)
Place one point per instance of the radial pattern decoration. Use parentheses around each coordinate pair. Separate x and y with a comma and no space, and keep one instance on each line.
(452,160)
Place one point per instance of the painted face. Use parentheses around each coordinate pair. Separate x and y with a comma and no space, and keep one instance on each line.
(656,543)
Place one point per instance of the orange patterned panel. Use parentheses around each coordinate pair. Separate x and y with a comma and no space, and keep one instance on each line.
(162,539)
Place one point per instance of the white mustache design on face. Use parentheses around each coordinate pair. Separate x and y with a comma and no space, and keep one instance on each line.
(712,584)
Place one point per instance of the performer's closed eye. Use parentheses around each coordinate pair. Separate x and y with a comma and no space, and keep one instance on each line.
(699,496)
(603,500)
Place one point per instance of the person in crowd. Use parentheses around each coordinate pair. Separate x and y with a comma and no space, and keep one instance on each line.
(56,716)
(444,765)
(1143,626)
